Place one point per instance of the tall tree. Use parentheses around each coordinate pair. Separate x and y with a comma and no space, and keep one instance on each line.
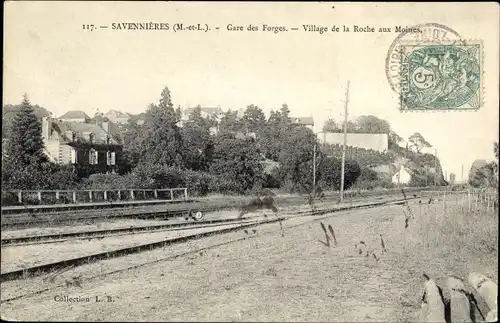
(253,118)
(25,144)
(162,140)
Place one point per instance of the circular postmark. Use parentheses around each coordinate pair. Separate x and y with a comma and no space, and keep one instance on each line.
(428,33)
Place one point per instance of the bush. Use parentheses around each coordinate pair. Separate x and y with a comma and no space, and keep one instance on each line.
(198,183)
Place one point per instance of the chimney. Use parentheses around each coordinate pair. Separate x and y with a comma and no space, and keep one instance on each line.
(45,128)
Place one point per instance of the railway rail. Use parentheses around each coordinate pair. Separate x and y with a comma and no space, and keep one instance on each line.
(42,269)
(12,223)
(41,209)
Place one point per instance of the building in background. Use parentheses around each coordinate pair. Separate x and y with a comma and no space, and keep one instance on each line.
(402,176)
(75,116)
(214,114)
(306,121)
(375,141)
(117,116)
(90,147)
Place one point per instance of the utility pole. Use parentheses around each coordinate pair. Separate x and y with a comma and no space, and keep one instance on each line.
(314,171)
(435,166)
(462,177)
(342,177)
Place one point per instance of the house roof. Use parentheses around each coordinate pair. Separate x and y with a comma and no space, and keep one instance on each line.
(307,121)
(117,114)
(74,114)
(209,110)
(135,117)
(82,130)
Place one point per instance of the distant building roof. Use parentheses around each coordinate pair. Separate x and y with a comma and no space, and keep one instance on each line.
(307,121)
(82,130)
(135,117)
(210,110)
(117,114)
(75,114)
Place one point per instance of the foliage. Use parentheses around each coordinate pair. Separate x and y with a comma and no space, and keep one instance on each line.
(296,155)
(331,125)
(330,173)
(418,142)
(197,143)
(238,162)
(483,174)
(161,141)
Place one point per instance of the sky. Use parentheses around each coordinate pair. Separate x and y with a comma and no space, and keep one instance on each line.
(62,67)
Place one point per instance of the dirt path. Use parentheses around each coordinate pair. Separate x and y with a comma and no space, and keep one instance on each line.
(269,278)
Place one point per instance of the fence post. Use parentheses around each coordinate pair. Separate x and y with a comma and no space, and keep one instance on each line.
(90,196)
(39,193)
(185,194)
(156,194)
(105,195)
(57,196)
(132,194)
(20,196)
(74,196)
(119,195)
(444,200)
(171,194)
(469,199)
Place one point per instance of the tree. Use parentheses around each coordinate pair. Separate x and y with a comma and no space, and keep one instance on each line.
(253,118)
(198,146)
(394,139)
(331,125)
(285,114)
(25,144)
(372,124)
(161,142)
(495,150)
(418,142)
(230,122)
(237,163)
(296,155)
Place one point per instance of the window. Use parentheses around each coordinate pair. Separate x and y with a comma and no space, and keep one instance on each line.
(73,155)
(93,157)
(111,156)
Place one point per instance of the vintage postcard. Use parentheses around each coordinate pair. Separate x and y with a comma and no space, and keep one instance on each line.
(250,161)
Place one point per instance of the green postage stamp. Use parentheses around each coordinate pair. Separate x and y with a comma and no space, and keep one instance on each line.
(441,77)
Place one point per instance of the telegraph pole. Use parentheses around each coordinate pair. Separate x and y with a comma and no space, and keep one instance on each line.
(342,177)
(314,171)
(435,166)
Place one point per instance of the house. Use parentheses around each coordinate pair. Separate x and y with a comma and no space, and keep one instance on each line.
(75,116)
(402,176)
(137,118)
(214,114)
(306,121)
(117,116)
(374,141)
(91,148)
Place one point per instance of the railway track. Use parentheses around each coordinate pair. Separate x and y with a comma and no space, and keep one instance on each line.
(42,269)
(99,234)
(163,214)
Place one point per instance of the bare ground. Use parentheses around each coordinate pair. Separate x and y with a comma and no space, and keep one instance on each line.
(267,277)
